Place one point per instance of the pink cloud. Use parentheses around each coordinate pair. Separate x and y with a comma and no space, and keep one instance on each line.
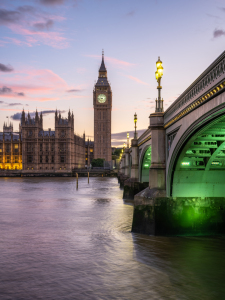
(10,109)
(37,85)
(34,25)
(136,79)
(17,42)
(47,99)
(113,61)
(53,38)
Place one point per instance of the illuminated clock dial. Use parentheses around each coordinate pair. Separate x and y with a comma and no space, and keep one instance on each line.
(101,98)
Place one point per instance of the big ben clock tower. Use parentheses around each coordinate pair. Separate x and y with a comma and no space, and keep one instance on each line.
(102,102)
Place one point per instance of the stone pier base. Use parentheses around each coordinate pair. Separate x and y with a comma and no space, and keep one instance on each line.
(156,214)
(132,187)
(121,179)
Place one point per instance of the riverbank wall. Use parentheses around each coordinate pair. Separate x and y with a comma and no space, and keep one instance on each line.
(80,172)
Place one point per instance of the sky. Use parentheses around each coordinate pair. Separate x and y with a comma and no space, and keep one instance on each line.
(50,53)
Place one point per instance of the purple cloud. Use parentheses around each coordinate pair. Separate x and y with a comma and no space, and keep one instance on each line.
(5,90)
(73,91)
(218,33)
(131,13)
(52,2)
(5,68)
(42,26)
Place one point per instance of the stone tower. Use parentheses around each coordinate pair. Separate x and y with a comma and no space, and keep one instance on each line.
(102,102)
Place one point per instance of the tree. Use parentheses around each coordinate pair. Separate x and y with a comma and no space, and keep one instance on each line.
(117,151)
(98,162)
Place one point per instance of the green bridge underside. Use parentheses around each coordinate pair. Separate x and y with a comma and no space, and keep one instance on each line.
(200,169)
(146,163)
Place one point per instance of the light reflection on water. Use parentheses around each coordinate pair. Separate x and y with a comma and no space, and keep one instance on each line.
(57,242)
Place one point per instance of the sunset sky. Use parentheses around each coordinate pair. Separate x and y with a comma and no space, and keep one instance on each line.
(50,52)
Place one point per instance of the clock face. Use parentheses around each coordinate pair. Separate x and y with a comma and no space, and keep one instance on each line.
(101,98)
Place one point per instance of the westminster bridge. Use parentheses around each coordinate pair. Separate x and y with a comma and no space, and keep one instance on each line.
(181,158)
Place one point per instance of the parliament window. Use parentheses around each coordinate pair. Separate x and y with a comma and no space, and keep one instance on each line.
(46,159)
(29,147)
(53,159)
(40,158)
(29,158)
(62,159)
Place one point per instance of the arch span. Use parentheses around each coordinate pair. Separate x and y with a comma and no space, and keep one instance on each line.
(145,164)
(199,168)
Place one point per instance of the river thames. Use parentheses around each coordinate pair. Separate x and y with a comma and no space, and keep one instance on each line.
(57,242)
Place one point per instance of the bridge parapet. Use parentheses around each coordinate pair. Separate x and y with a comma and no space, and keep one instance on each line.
(208,83)
(144,137)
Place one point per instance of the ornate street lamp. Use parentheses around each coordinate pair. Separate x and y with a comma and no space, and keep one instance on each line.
(158,76)
(135,125)
(128,139)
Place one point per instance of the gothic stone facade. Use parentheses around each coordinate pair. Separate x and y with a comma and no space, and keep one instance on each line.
(35,150)
(102,102)
(10,149)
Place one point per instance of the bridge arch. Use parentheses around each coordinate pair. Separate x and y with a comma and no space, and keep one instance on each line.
(197,164)
(145,162)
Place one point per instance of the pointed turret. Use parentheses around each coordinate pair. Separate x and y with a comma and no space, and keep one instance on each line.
(102,77)
(69,115)
(102,67)
(23,117)
(41,119)
(36,116)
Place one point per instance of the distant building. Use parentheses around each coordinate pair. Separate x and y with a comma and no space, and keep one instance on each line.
(10,149)
(35,150)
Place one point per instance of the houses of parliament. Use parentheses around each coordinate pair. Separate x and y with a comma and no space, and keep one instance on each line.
(58,151)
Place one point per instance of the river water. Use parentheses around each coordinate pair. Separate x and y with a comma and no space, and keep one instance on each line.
(57,242)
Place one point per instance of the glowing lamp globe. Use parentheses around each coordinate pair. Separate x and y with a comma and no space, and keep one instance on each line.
(158,63)
(160,71)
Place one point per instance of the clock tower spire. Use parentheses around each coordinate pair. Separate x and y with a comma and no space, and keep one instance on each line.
(102,102)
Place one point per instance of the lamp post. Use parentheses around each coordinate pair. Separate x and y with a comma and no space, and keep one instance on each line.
(158,76)
(135,125)
(128,139)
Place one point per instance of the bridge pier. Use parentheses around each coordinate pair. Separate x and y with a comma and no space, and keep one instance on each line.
(131,185)
(144,220)
(121,176)
(157,172)
(178,216)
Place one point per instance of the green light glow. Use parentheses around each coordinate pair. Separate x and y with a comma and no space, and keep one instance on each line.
(184,163)
(215,163)
(146,163)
